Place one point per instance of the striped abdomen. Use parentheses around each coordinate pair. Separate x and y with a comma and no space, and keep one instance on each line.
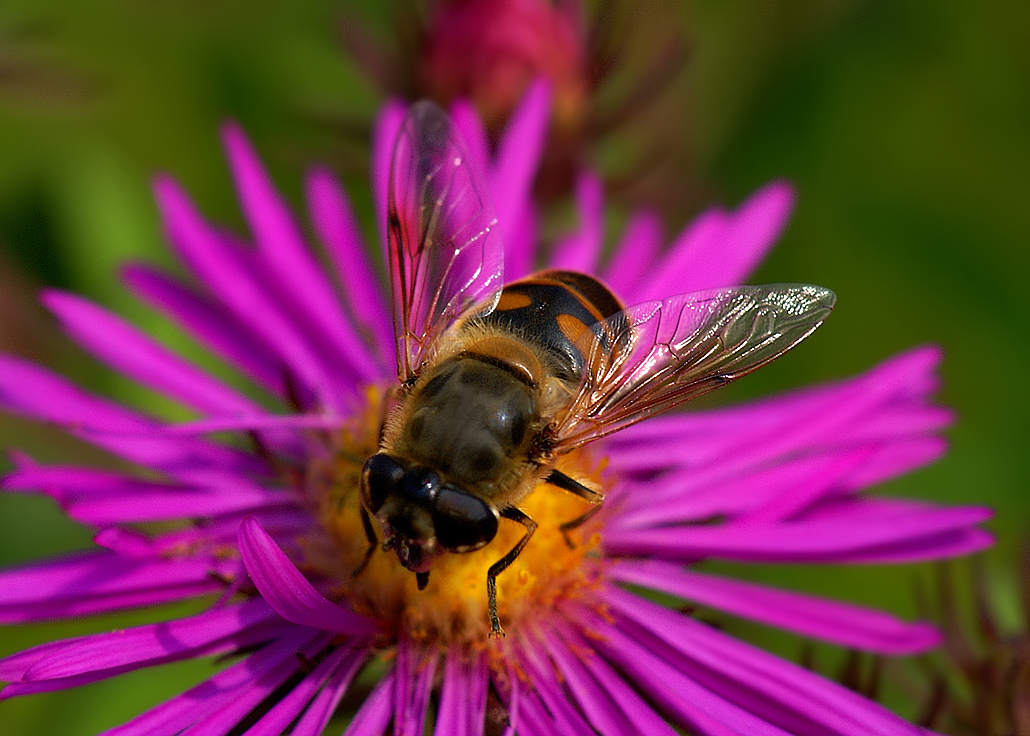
(552,310)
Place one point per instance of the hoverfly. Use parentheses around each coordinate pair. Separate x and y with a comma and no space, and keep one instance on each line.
(498,381)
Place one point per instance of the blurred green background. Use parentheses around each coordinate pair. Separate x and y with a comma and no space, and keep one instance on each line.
(904,126)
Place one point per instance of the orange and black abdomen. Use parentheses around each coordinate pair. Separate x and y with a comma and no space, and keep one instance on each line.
(552,309)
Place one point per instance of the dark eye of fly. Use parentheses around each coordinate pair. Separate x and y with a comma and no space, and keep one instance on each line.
(380,477)
(420,485)
(462,521)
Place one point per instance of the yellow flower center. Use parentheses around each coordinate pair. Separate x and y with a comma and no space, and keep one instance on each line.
(453,605)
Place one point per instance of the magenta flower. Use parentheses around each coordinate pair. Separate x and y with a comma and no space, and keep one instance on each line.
(490,51)
(267,527)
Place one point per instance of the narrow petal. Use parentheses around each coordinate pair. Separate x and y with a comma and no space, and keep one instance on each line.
(914,535)
(473,134)
(285,711)
(384,138)
(94,582)
(210,632)
(755,228)
(288,591)
(462,694)
(669,274)
(334,220)
(375,712)
(233,710)
(769,492)
(874,425)
(840,623)
(322,707)
(535,720)
(518,156)
(781,692)
(207,321)
(101,497)
(521,244)
(719,250)
(635,252)
(32,391)
(134,353)
(582,250)
(214,536)
(791,483)
(413,684)
(245,295)
(509,688)
(608,701)
(538,666)
(691,704)
(298,276)
(272,663)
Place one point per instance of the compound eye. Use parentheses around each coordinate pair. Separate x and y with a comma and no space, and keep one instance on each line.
(380,476)
(462,522)
(420,485)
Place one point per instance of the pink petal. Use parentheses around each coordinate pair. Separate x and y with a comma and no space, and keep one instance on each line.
(609,702)
(778,691)
(413,684)
(256,675)
(101,497)
(635,253)
(538,666)
(582,250)
(277,720)
(375,712)
(338,229)
(384,137)
(213,631)
(473,135)
(264,421)
(518,156)
(915,535)
(93,582)
(463,694)
(716,251)
(521,244)
(322,707)
(244,294)
(840,623)
(771,491)
(298,276)
(134,353)
(33,391)
(288,591)
(858,431)
(669,275)
(214,706)
(207,321)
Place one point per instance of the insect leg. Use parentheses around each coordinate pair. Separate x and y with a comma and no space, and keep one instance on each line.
(576,523)
(370,535)
(502,564)
(559,479)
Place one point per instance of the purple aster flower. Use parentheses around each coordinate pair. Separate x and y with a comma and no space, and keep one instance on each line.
(267,527)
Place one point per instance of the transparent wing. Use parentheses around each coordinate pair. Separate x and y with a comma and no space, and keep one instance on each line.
(446,258)
(653,356)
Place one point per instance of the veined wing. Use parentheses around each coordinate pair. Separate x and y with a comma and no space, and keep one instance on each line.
(446,257)
(654,356)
